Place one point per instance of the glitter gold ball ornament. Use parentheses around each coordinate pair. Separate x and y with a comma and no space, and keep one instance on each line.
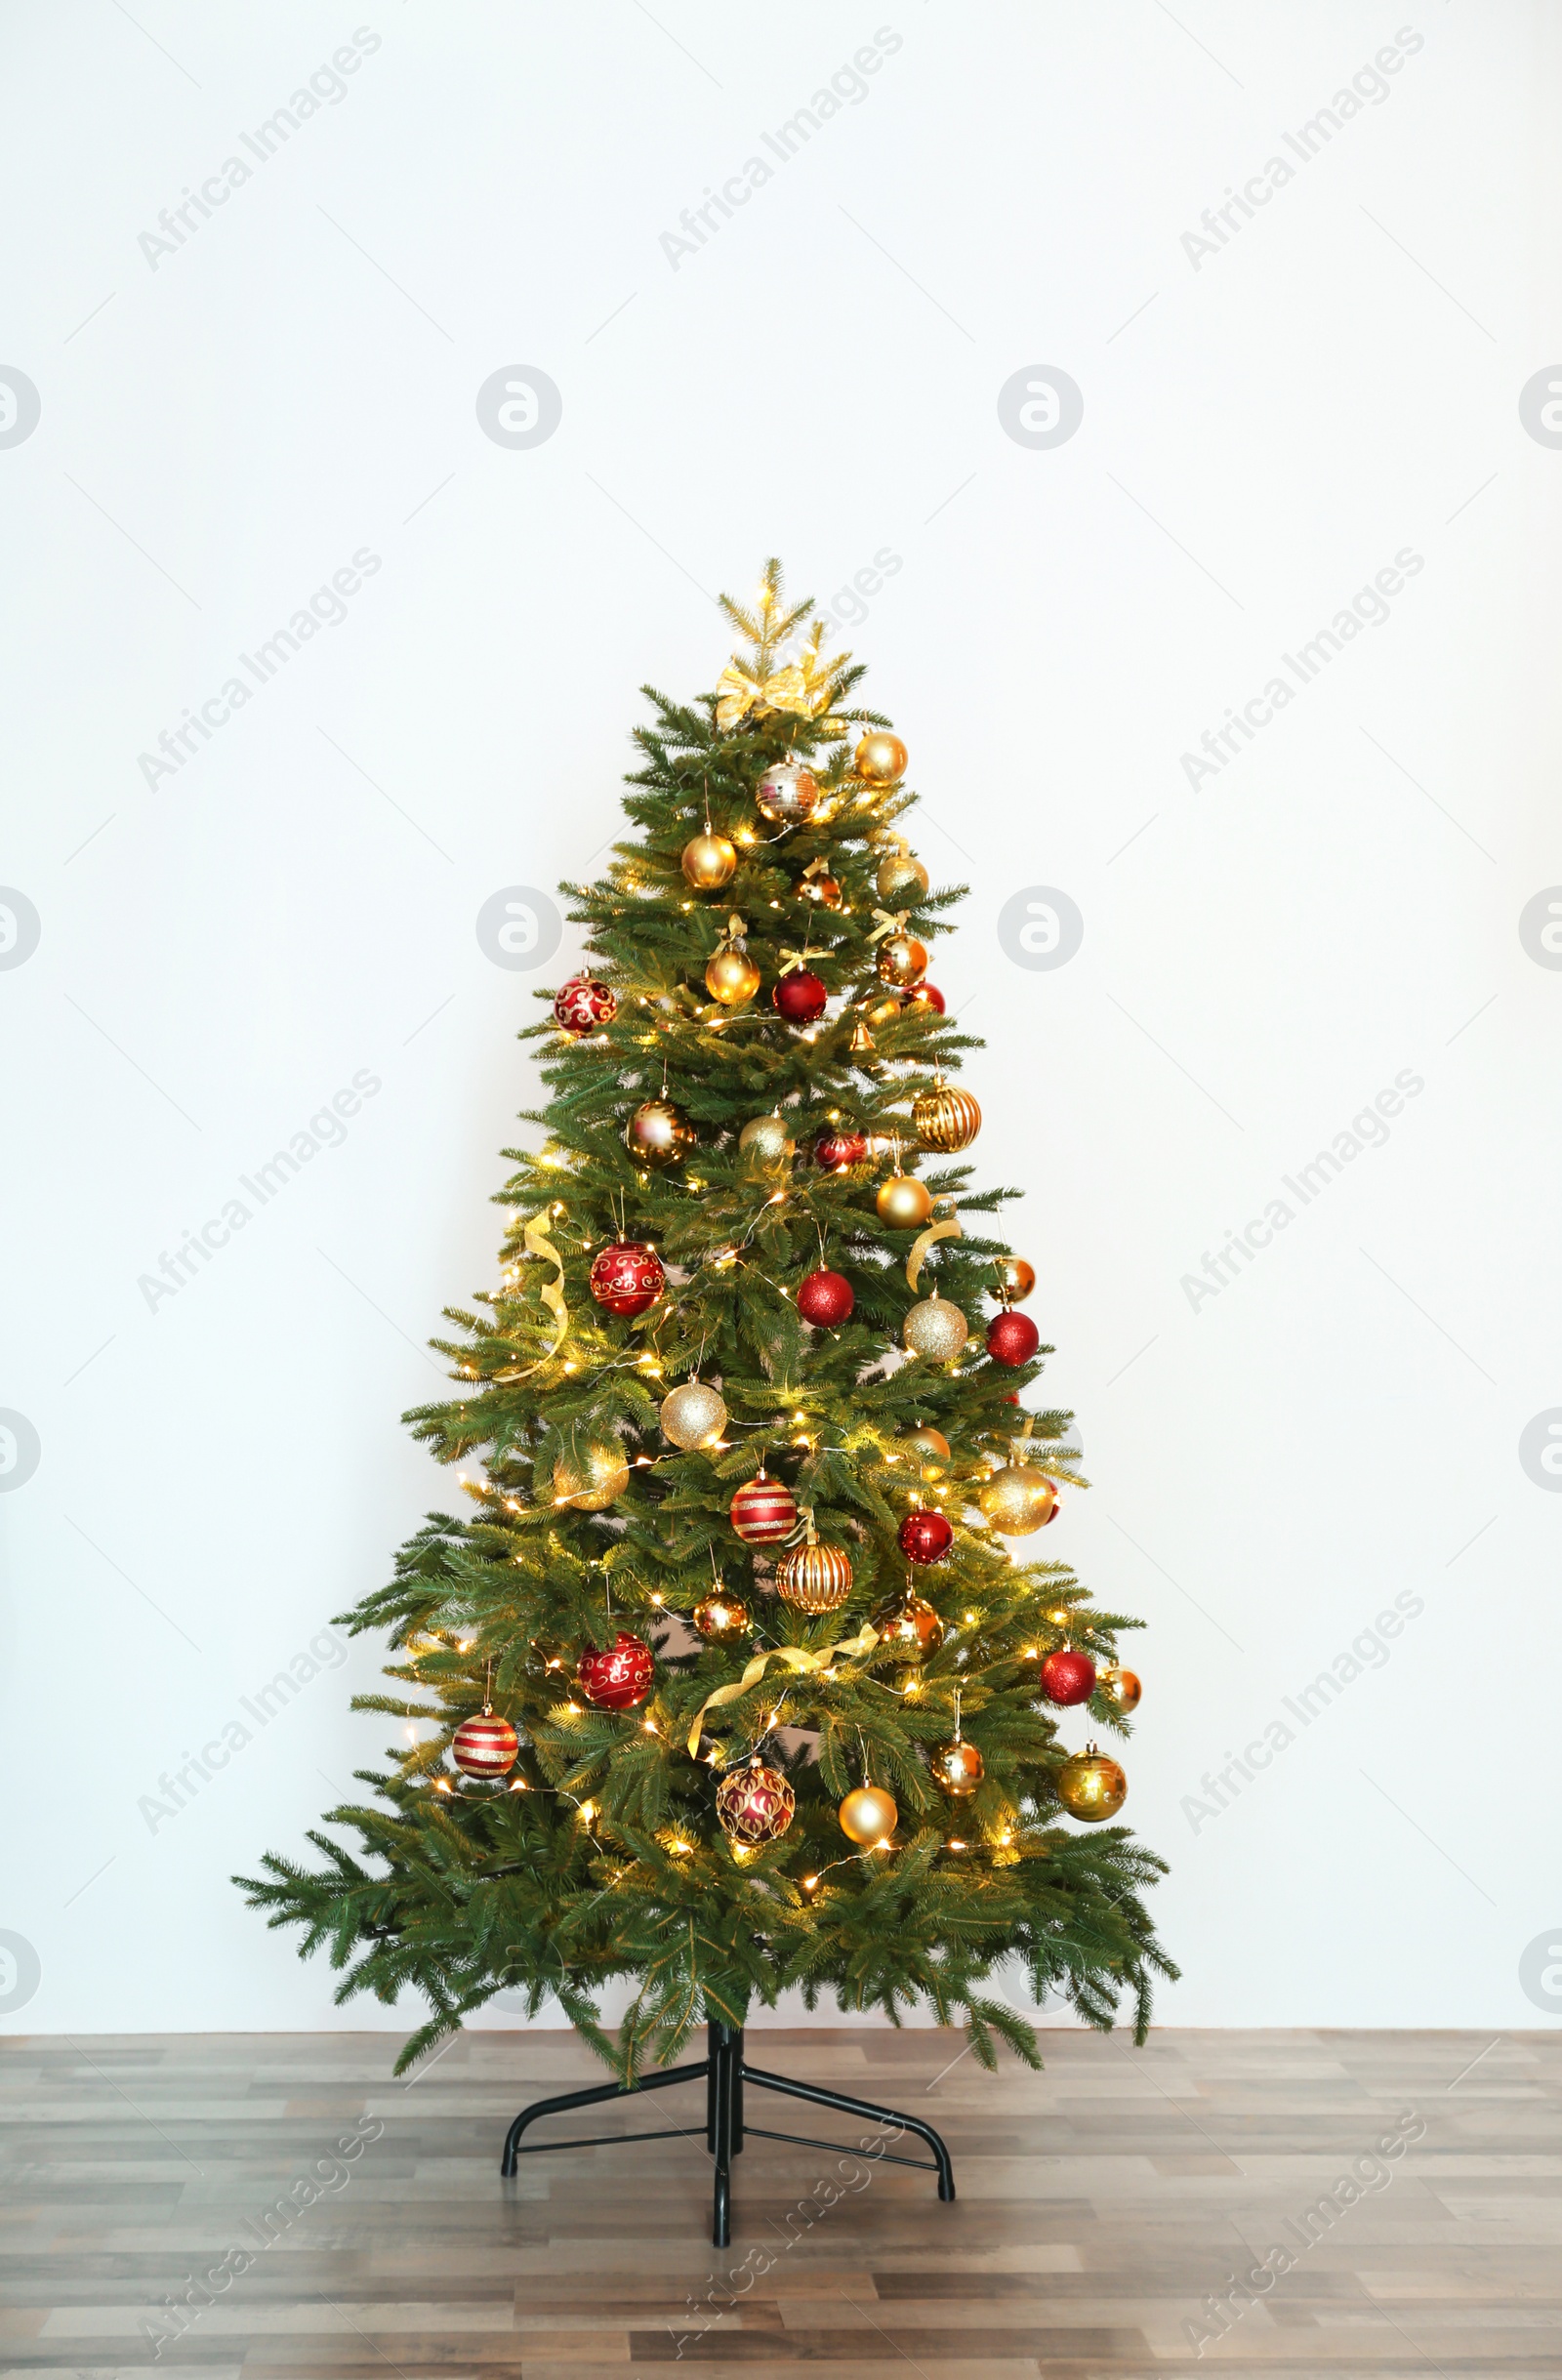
(1090,1786)
(936,1330)
(723,1618)
(1013,1339)
(929,1441)
(958,1769)
(731,976)
(485,1746)
(709,861)
(907,1625)
(762,1511)
(1017,1501)
(592,1476)
(583,1004)
(1068,1677)
(619,1679)
(1121,1688)
(904,1202)
(924,1537)
(692,1415)
(902,961)
(869,1815)
(880,757)
(902,875)
(1015,1278)
(658,1133)
(813,1577)
(946,1118)
(787,793)
(755,1804)
(627,1278)
(766,1141)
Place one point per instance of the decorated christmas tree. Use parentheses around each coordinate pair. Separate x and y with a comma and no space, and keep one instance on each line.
(734,1675)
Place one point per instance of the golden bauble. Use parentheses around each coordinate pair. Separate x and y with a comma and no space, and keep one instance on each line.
(731,977)
(788,794)
(902,961)
(692,1415)
(765,1139)
(1121,1688)
(592,1476)
(958,1769)
(1015,1278)
(936,1330)
(709,861)
(1017,1501)
(900,875)
(904,1202)
(723,1618)
(945,1119)
(883,1007)
(929,1441)
(823,890)
(658,1133)
(880,757)
(1090,1786)
(869,1815)
(908,1626)
(814,1578)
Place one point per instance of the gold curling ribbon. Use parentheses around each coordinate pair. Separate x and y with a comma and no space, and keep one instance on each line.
(537,1244)
(924,1241)
(884,923)
(737,694)
(853,1648)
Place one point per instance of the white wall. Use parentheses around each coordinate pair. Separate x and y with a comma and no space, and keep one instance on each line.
(1264,428)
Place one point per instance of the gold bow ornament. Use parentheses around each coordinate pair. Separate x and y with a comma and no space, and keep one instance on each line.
(853,1647)
(737,694)
(884,923)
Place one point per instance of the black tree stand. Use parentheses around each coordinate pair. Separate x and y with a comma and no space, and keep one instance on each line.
(725,2071)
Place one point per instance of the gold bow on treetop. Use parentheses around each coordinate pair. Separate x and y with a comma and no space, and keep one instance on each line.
(737,694)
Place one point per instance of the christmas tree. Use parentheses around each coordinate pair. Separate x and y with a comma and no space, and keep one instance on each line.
(732,1676)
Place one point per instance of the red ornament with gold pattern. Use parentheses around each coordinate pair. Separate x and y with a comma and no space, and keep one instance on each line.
(620,1678)
(627,1277)
(582,1004)
(484,1746)
(835,1151)
(755,1804)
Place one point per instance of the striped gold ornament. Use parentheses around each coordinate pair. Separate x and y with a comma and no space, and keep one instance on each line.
(485,1746)
(764,1511)
(946,1118)
(813,1577)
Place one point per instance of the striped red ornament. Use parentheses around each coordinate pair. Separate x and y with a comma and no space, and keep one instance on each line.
(484,1746)
(763,1512)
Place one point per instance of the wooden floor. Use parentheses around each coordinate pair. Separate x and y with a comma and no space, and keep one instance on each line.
(1100,2206)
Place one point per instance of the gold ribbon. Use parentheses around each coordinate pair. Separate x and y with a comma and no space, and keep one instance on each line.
(737,694)
(816,867)
(924,1241)
(855,1648)
(735,931)
(792,959)
(887,925)
(537,1244)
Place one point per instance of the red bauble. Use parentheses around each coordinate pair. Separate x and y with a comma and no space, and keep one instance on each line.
(763,1512)
(925,1536)
(837,1150)
(825,1298)
(1013,1339)
(800,996)
(619,1679)
(924,996)
(583,1004)
(484,1747)
(1068,1677)
(627,1277)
